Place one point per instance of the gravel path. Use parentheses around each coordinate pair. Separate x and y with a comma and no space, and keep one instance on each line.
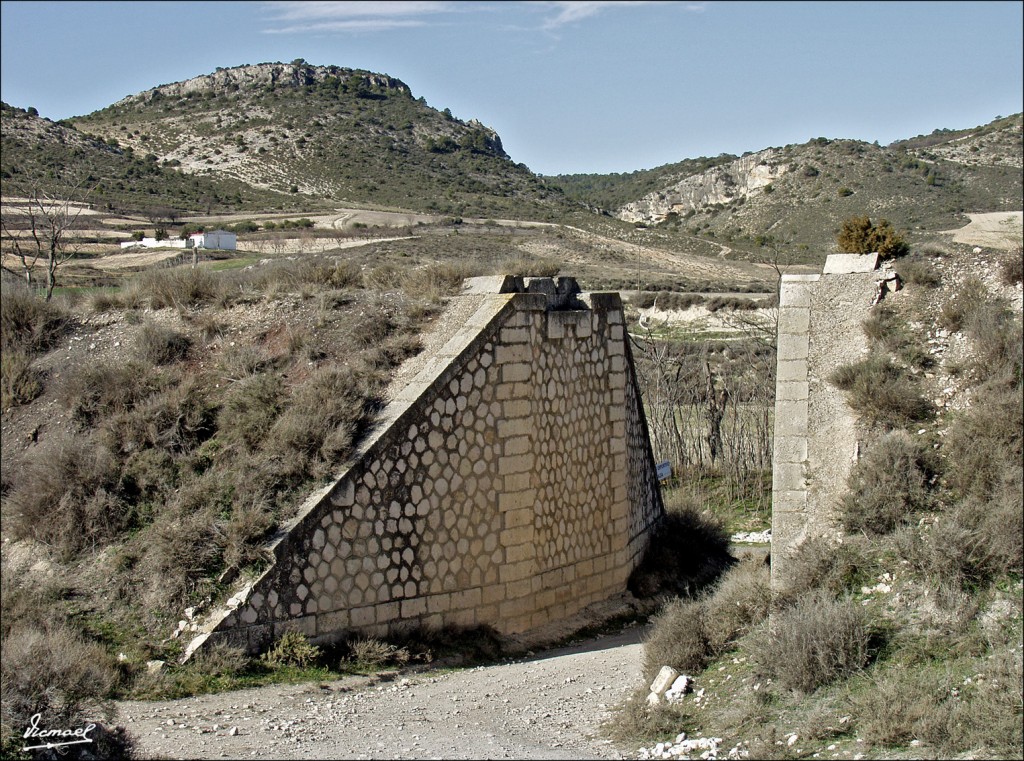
(549,705)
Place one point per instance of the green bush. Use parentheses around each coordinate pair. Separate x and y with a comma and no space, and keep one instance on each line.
(882,392)
(858,235)
(293,649)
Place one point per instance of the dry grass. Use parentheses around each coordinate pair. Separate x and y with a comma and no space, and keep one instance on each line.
(889,485)
(158,345)
(67,497)
(816,641)
(689,634)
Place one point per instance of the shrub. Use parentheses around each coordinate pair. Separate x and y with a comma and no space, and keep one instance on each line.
(250,409)
(54,672)
(293,649)
(326,416)
(678,638)
(886,328)
(881,392)
(916,271)
(888,485)
(20,382)
(26,322)
(176,420)
(858,235)
(689,634)
(161,346)
(945,712)
(1011,267)
(816,641)
(173,287)
(66,496)
(687,551)
(821,565)
(373,653)
(985,443)
(955,312)
(93,392)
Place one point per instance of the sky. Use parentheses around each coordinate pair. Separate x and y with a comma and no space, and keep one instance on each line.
(569,86)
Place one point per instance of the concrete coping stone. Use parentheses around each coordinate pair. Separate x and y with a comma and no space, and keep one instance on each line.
(846,264)
(800,278)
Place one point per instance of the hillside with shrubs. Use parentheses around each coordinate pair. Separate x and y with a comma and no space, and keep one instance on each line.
(904,640)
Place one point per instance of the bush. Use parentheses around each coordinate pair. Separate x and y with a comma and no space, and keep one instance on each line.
(881,392)
(293,649)
(373,653)
(67,497)
(173,287)
(250,410)
(835,568)
(889,484)
(985,443)
(944,712)
(689,634)
(859,236)
(816,641)
(955,312)
(94,392)
(886,328)
(55,673)
(916,271)
(1011,267)
(27,323)
(687,551)
(161,346)
(20,382)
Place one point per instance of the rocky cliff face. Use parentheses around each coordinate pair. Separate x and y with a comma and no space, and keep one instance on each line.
(268,75)
(721,185)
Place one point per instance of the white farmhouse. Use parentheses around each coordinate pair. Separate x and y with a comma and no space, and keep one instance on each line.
(220,239)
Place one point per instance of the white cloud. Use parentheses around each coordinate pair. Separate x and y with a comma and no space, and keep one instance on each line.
(570,11)
(352,16)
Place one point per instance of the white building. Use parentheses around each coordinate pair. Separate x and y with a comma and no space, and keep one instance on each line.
(154,243)
(220,239)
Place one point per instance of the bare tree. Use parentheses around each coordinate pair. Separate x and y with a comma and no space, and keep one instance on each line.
(37,234)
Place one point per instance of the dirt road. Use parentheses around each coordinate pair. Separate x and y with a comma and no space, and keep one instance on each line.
(549,705)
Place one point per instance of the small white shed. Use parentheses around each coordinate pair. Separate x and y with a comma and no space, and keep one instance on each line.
(220,239)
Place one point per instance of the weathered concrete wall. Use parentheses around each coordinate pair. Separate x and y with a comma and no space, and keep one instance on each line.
(816,433)
(510,484)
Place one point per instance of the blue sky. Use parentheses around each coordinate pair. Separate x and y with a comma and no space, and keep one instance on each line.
(569,86)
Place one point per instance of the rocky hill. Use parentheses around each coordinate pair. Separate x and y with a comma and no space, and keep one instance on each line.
(801,193)
(36,153)
(327,133)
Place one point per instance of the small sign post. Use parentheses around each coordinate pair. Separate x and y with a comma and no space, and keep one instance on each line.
(664,470)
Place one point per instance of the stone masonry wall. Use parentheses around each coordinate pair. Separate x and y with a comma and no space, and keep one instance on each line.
(816,433)
(511,484)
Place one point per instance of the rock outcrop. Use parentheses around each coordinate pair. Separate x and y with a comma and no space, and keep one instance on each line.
(720,185)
